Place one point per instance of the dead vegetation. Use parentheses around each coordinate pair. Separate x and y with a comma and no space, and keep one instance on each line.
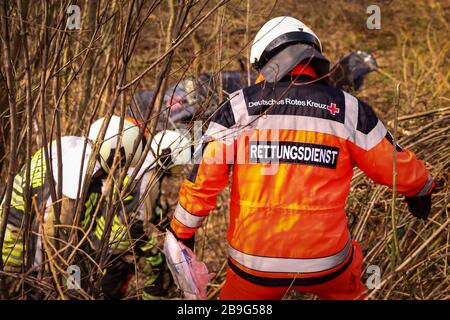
(55,82)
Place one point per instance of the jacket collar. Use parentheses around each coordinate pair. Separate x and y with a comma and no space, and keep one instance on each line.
(301,73)
(303,69)
(301,78)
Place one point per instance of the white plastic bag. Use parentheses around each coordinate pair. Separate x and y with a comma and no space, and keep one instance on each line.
(190,275)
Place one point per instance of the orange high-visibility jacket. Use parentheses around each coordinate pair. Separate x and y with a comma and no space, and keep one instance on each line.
(291,149)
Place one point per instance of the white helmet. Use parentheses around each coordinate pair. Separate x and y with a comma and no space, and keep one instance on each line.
(171,143)
(109,143)
(281,33)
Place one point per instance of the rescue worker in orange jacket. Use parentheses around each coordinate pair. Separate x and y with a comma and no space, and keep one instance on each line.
(290,143)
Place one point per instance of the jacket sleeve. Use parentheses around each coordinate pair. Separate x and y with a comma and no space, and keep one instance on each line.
(372,149)
(209,176)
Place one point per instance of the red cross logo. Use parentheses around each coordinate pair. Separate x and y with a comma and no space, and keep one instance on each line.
(333,109)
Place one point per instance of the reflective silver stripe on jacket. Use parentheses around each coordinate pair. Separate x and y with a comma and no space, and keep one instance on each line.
(186,218)
(426,188)
(370,140)
(290,265)
(219,132)
(364,141)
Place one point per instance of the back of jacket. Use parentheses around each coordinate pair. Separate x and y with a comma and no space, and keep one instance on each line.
(292,148)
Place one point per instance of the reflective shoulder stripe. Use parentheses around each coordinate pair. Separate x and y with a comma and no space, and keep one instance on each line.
(289,265)
(351,111)
(186,218)
(426,188)
(290,122)
(370,140)
(219,132)
(239,107)
(362,140)
(225,126)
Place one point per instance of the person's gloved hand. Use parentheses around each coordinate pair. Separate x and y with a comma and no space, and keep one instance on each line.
(419,206)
